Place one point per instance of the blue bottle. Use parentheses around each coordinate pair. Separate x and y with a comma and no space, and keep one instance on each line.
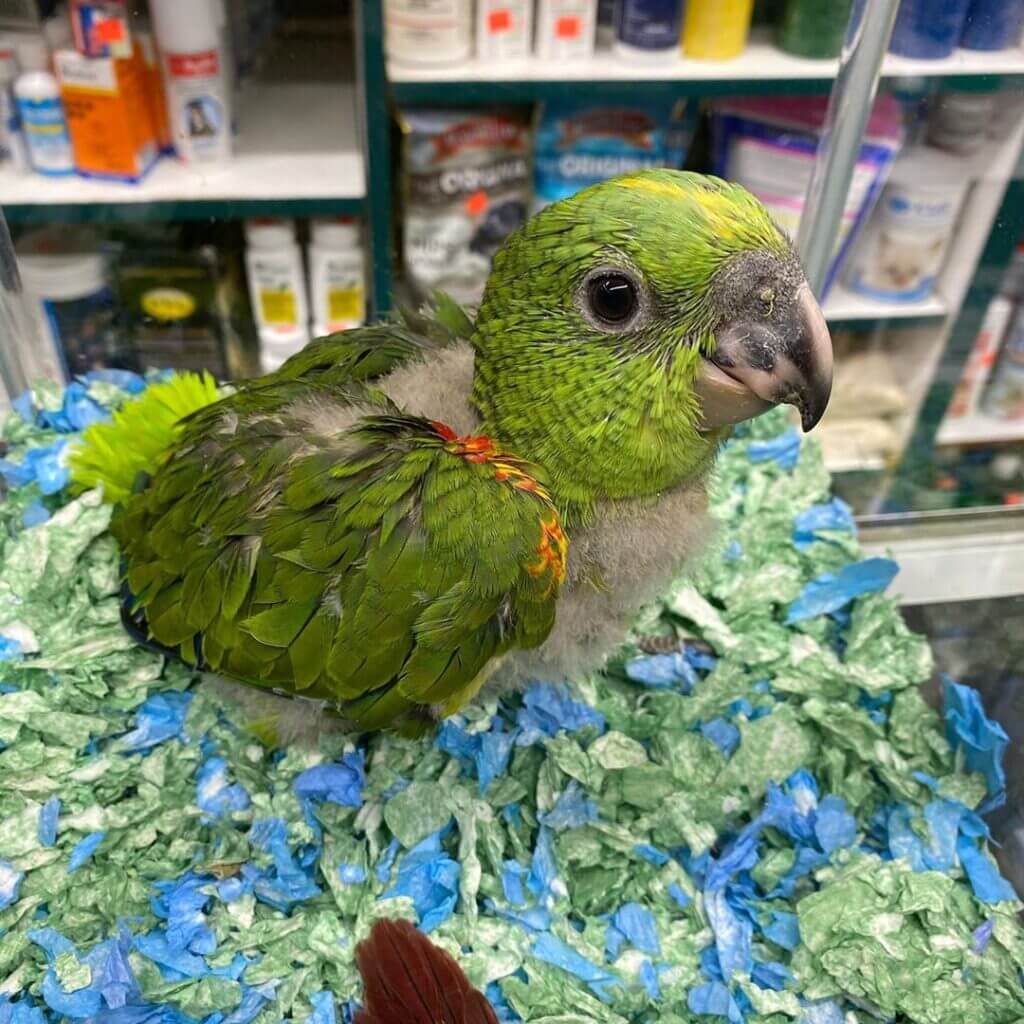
(648,28)
(928,29)
(993,24)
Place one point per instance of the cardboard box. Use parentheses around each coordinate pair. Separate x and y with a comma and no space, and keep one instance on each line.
(109,118)
(147,52)
(100,28)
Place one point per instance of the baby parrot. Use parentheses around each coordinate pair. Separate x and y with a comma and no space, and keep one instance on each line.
(403,512)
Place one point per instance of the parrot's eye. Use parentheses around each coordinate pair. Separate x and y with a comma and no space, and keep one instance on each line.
(612,298)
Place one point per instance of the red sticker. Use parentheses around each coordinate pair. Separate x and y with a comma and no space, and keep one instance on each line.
(110,30)
(568,27)
(476,204)
(499,21)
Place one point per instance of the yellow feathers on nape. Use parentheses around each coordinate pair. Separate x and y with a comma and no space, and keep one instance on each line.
(138,435)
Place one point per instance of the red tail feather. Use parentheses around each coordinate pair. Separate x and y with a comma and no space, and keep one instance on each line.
(409,980)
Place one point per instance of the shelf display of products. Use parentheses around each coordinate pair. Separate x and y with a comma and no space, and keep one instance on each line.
(441,33)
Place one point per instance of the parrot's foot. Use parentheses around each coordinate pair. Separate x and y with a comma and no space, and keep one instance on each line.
(273,720)
(661,644)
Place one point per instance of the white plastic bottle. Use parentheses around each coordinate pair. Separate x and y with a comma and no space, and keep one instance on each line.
(197,77)
(504,29)
(277,287)
(566,29)
(428,31)
(45,129)
(337,275)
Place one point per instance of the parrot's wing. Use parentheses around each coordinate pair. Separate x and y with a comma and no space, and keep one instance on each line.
(383,568)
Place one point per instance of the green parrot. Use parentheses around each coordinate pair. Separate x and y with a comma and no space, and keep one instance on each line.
(403,512)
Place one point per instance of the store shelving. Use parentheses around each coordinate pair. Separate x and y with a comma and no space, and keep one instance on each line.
(844,305)
(978,428)
(762,67)
(297,152)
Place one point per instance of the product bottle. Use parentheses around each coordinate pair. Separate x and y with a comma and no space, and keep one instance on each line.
(429,31)
(813,28)
(12,143)
(716,29)
(647,29)
(504,29)
(566,29)
(42,117)
(196,76)
(336,276)
(277,287)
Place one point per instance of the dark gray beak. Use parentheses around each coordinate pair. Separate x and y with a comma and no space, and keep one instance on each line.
(758,364)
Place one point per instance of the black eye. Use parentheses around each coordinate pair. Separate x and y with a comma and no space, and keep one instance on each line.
(612,298)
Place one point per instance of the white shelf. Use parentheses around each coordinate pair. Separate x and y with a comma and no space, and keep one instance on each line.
(295,141)
(842,304)
(761,61)
(975,563)
(979,428)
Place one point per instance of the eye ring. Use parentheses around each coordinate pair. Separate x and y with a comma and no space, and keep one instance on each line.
(611,299)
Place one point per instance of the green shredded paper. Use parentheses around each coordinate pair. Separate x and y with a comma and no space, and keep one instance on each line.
(765,823)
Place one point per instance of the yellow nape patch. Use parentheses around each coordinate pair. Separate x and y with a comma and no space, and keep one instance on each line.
(655,186)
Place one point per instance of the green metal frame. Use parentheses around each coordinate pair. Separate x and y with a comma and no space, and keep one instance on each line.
(178,210)
(375,127)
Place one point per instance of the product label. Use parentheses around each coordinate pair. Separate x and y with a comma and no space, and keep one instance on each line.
(565,29)
(278,308)
(649,24)
(46,135)
(194,65)
(342,284)
(196,91)
(578,145)
(503,29)
(467,185)
(428,31)
(168,304)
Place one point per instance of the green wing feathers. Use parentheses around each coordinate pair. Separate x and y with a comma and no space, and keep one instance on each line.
(382,569)
(342,366)
(139,435)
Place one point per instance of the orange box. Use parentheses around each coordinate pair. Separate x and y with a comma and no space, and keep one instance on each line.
(146,51)
(109,118)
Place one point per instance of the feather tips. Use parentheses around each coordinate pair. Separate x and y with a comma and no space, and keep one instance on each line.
(409,980)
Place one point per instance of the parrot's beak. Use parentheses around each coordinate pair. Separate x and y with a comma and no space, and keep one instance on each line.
(758,363)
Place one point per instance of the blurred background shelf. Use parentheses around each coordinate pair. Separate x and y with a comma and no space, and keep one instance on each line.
(297,154)
(847,306)
(762,68)
(980,429)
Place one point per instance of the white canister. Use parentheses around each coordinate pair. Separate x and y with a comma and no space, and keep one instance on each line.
(45,129)
(277,282)
(504,29)
(428,31)
(64,275)
(197,78)
(904,243)
(566,29)
(337,275)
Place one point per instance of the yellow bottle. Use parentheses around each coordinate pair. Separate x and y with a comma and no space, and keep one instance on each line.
(716,29)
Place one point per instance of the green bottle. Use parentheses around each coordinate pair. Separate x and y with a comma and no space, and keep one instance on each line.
(814,28)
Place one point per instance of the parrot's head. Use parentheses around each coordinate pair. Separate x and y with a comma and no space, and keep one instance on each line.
(623,330)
